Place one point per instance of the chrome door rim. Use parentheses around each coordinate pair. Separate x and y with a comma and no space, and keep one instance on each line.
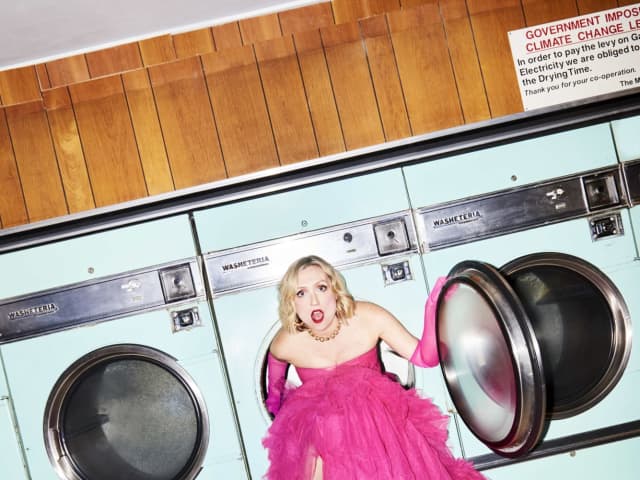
(530,413)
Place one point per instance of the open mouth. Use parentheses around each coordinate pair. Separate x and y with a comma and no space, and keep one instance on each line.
(317,316)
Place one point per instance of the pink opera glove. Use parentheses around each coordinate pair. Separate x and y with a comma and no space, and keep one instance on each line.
(276,377)
(426,353)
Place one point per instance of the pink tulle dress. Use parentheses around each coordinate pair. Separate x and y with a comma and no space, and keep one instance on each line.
(364,425)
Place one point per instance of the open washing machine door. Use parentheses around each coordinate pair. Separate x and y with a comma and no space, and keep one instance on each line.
(491,359)
(545,337)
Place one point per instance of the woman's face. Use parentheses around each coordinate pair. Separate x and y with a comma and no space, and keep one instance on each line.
(314,299)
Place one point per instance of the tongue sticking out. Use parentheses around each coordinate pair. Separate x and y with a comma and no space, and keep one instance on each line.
(317,316)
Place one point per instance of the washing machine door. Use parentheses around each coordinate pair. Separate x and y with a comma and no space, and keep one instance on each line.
(491,359)
(126,411)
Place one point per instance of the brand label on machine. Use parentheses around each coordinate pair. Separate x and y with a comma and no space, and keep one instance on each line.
(457,219)
(33,311)
(245,264)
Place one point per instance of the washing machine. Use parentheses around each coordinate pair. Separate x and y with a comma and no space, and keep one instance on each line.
(112,364)
(625,134)
(535,324)
(361,225)
(12,458)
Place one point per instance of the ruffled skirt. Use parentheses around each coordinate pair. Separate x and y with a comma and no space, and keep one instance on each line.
(364,426)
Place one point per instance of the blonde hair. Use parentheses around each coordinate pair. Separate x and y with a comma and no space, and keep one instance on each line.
(345,304)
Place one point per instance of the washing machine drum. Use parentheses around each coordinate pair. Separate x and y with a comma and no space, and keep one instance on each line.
(544,337)
(126,411)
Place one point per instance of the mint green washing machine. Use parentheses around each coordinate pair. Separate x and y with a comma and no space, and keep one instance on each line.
(625,134)
(12,458)
(363,226)
(112,364)
(535,324)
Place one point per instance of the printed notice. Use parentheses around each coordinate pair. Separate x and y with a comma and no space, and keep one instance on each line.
(578,57)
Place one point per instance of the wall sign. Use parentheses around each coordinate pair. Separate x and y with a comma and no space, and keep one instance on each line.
(577,57)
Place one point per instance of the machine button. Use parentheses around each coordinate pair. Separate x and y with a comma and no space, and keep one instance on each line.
(391,237)
(177,283)
(601,191)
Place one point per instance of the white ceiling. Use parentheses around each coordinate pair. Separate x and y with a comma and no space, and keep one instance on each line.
(33,31)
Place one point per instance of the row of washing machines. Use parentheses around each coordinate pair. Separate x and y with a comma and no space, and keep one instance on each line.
(139,352)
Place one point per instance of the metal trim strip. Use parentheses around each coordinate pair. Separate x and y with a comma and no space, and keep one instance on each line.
(262,264)
(632,180)
(61,308)
(543,206)
(566,444)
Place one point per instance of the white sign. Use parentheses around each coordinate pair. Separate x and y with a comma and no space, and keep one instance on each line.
(578,57)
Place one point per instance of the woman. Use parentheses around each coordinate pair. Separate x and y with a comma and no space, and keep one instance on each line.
(348,420)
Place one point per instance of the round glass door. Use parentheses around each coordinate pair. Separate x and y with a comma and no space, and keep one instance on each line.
(582,325)
(126,411)
(490,359)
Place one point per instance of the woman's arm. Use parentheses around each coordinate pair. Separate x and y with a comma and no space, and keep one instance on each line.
(276,374)
(389,329)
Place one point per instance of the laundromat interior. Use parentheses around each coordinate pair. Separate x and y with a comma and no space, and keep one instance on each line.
(161,167)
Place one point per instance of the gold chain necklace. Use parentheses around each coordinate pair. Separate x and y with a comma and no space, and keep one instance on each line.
(333,334)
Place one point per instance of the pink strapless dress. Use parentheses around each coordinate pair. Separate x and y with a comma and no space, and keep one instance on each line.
(364,425)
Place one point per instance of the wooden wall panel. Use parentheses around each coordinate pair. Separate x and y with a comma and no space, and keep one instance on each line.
(352,85)
(464,60)
(590,6)
(491,20)
(157,50)
(193,43)
(259,29)
(108,140)
(537,12)
(66,71)
(385,76)
(306,19)
(149,138)
(68,148)
(286,100)
(36,161)
(304,23)
(114,60)
(414,3)
(238,101)
(19,85)
(320,96)
(425,69)
(187,122)
(227,35)
(12,208)
(43,76)
(352,10)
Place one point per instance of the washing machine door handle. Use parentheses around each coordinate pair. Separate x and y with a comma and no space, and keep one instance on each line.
(491,359)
